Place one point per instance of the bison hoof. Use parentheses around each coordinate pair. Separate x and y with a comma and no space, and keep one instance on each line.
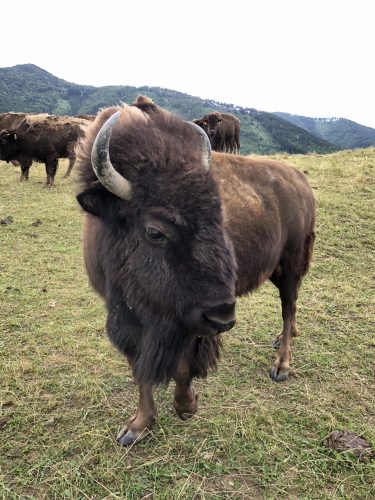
(126,437)
(279,375)
(188,407)
(185,415)
(276,343)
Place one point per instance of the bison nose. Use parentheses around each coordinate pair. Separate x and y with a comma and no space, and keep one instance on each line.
(221,318)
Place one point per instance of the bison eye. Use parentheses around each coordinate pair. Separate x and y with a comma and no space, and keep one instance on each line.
(155,235)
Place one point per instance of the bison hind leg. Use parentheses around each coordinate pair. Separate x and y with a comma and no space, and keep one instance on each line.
(294,332)
(69,169)
(287,281)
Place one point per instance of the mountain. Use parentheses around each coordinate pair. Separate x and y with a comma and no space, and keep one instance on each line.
(28,88)
(339,131)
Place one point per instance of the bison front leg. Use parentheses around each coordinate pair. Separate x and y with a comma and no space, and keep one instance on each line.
(138,426)
(51,167)
(185,397)
(25,167)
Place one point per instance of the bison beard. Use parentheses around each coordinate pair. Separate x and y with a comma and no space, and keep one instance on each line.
(171,238)
(155,346)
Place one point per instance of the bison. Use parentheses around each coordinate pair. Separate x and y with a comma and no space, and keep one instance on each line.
(223,130)
(172,236)
(44,138)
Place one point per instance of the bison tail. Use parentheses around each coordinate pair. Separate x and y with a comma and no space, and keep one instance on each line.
(308,251)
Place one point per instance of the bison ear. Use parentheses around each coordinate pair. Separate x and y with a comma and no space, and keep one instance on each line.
(94,200)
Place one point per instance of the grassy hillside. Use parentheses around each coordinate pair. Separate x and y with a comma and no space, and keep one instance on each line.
(65,391)
(339,131)
(28,88)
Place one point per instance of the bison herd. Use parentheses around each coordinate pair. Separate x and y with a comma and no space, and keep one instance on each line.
(174,232)
(44,138)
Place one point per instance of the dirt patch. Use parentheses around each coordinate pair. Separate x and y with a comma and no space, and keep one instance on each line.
(7,220)
(346,441)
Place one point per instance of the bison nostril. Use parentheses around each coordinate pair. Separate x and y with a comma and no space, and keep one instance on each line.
(219,325)
(221,318)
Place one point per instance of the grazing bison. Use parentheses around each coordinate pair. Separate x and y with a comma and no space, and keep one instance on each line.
(223,130)
(171,237)
(43,138)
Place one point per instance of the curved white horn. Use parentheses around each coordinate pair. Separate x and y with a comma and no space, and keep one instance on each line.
(205,145)
(101,162)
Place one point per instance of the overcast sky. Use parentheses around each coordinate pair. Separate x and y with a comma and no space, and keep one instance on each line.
(308,57)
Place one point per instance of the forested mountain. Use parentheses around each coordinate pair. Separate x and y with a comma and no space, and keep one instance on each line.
(28,88)
(339,131)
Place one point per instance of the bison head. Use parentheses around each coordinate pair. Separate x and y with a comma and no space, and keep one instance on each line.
(213,124)
(8,145)
(164,261)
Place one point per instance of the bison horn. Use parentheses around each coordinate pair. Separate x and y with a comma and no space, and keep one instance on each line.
(101,162)
(205,145)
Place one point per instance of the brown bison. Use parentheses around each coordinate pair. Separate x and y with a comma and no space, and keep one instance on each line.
(172,236)
(223,130)
(44,138)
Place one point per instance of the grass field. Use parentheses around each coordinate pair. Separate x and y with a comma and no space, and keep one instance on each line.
(65,391)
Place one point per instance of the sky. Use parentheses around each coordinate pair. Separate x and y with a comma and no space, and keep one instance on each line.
(312,58)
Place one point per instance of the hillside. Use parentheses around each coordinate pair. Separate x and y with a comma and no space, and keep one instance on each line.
(339,131)
(29,88)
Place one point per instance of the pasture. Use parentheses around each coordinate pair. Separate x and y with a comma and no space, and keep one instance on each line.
(65,391)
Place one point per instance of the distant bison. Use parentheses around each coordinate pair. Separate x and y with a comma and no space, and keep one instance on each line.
(172,236)
(223,130)
(44,138)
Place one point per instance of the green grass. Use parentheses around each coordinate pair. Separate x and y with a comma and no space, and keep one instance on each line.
(65,391)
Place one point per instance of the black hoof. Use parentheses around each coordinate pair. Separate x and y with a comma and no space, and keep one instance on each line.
(278,376)
(185,415)
(276,344)
(127,437)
